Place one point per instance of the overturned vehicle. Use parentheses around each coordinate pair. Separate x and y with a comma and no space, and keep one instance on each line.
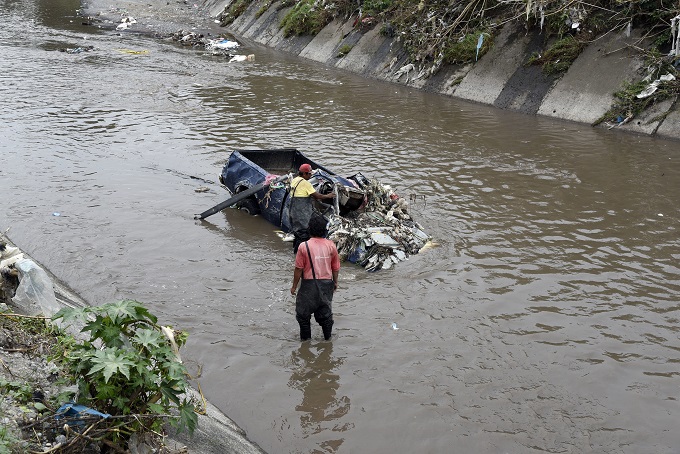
(368,222)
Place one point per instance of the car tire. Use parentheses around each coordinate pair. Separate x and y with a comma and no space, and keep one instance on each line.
(249,206)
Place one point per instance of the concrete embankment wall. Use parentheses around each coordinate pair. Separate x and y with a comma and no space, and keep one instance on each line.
(500,78)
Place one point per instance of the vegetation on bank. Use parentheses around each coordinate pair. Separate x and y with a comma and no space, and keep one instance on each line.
(439,32)
(128,374)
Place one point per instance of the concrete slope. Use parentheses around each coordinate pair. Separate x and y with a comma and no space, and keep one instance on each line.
(487,78)
(585,93)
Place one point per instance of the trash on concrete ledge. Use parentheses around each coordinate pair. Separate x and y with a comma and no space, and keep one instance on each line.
(651,88)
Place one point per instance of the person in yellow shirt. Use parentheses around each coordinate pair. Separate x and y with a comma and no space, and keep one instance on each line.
(300,211)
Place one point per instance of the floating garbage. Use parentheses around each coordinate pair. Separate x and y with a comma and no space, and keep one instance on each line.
(237,58)
(77,50)
(126,22)
(224,44)
(133,52)
(381,235)
(56,213)
(394,326)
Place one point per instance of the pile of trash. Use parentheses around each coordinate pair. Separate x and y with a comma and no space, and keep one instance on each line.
(381,234)
(221,47)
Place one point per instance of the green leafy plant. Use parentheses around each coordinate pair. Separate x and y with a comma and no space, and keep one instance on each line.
(8,442)
(129,367)
(20,391)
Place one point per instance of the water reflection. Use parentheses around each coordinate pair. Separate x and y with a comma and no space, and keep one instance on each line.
(314,374)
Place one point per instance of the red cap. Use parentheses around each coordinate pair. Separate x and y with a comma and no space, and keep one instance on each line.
(305,168)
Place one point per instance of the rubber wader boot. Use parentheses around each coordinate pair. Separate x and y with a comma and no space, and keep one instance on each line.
(327,327)
(305,331)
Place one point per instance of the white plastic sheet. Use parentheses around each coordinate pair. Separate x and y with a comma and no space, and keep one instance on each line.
(35,294)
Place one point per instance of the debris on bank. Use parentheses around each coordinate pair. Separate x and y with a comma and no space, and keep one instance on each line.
(224,47)
(126,22)
(25,284)
(380,235)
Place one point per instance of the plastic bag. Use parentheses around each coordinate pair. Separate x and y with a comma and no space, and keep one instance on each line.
(35,294)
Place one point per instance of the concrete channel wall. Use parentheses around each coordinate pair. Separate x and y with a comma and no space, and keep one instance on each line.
(500,78)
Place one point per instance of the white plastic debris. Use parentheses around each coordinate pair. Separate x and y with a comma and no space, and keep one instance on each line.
(675,31)
(126,22)
(224,44)
(35,294)
(406,69)
(652,87)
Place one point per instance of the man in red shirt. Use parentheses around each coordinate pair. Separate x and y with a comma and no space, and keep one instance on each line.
(318,264)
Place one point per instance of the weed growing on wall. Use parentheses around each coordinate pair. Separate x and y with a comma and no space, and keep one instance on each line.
(308,17)
(233,11)
(559,57)
(660,83)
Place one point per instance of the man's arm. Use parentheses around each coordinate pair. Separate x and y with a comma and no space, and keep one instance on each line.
(335,279)
(318,196)
(296,279)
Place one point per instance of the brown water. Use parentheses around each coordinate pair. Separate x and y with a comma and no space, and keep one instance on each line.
(545,318)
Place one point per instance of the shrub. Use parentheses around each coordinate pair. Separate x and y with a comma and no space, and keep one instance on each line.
(375,7)
(307,17)
(129,367)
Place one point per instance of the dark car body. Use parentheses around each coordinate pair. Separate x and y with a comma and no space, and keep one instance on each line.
(247,169)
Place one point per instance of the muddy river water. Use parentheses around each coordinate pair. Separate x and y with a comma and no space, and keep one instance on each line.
(545,318)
